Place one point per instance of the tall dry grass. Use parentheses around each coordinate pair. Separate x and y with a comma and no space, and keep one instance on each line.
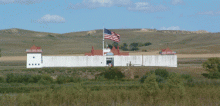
(79,95)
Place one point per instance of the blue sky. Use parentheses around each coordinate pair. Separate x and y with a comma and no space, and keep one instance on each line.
(63,16)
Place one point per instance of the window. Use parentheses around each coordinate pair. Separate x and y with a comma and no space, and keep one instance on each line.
(35,64)
(38,64)
(32,64)
(29,64)
(33,56)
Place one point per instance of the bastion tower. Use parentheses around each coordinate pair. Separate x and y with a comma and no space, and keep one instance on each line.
(34,57)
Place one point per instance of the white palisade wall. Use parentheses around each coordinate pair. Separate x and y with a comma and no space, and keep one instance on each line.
(125,60)
(160,60)
(34,60)
(74,61)
(146,60)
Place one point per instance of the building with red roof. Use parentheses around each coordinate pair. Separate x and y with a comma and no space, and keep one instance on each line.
(34,49)
(113,50)
(34,58)
(167,51)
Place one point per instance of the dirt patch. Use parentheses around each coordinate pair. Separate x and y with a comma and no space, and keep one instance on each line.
(13,58)
(91,32)
(197,55)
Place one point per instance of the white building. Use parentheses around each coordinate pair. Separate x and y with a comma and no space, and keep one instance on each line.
(36,60)
(34,57)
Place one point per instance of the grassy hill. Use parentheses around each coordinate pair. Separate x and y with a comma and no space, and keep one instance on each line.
(13,42)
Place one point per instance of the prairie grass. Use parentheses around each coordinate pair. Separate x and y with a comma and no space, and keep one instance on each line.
(78,94)
(191,88)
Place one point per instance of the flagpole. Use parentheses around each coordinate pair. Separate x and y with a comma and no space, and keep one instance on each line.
(103,41)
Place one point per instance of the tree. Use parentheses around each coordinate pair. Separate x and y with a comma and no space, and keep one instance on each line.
(133,46)
(175,86)
(151,87)
(147,44)
(124,47)
(110,46)
(212,65)
(115,44)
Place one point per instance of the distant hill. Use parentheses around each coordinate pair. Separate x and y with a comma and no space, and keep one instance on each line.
(175,31)
(15,41)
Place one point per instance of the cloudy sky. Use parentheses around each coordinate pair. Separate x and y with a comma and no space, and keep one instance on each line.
(63,16)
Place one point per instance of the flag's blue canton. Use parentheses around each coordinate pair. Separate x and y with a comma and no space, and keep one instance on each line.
(106,31)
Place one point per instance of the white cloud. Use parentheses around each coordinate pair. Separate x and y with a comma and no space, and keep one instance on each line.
(99,3)
(138,6)
(51,19)
(177,2)
(147,7)
(209,13)
(170,28)
(20,1)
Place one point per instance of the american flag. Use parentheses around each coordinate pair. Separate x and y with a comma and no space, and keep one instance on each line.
(111,35)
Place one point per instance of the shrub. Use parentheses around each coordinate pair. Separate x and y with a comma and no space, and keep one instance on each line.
(187,77)
(162,72)
(10,78)
(47,78)
(43,81)
(151,87)
(136,76)
(160,79)
(25,78)
(161,75)
(151,84)
(147,44)
(175,85)
(214,75)
(113,72)
(2,80)
(145,76)
(212,64)
(35,78)
(61,79)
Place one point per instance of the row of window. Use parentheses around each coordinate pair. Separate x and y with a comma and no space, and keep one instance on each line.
(34,64)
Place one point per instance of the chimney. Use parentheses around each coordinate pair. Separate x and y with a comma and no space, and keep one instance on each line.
(118,49)
(92,51)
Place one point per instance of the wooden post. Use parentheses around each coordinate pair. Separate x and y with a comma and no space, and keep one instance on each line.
(142,59)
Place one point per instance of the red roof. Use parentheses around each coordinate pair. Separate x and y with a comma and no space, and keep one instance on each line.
(167,51)
(34,49)
(100,52)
